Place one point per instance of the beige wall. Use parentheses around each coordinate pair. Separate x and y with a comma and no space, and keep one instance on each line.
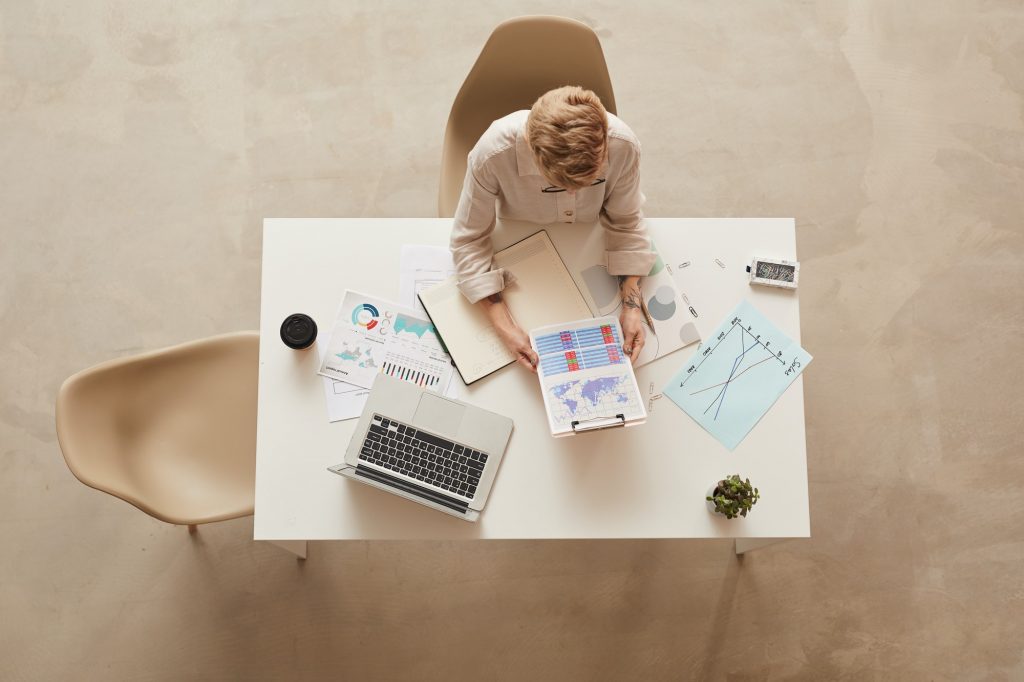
(142,143)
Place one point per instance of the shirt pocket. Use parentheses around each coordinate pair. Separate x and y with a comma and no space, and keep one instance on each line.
(589,201)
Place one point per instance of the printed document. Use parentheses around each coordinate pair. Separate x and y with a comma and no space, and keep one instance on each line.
(372,336)
(584,375)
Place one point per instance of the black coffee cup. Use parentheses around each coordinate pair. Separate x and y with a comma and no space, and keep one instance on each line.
(298,331)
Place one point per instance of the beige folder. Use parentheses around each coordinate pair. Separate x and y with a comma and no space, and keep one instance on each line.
(543,293)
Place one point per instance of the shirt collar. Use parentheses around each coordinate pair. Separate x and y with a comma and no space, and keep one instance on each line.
(524,155)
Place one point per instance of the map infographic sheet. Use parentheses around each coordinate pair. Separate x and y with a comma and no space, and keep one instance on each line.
(584,374)
(372,336)
(347,401)
(737,375)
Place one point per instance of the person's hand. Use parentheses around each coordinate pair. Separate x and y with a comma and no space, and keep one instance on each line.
(510,333)
(633,332)
(518,343)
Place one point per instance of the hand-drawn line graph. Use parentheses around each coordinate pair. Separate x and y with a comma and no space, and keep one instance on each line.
(730,383)
(737,370)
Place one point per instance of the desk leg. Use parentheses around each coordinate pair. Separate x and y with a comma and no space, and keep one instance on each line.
(296,547)
(744,545)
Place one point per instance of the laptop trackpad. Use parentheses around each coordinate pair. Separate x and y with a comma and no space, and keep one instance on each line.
(438,415)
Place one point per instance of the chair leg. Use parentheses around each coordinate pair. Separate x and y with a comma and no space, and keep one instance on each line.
(192,528)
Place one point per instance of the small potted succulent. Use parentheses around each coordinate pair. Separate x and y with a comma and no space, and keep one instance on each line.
(732,497)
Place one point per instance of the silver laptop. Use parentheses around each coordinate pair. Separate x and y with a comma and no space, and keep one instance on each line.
(424,447)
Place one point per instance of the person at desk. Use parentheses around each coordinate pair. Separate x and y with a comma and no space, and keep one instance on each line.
(565,160)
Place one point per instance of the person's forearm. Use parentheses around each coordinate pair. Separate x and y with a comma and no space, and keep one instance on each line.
(629,289)
(496,310)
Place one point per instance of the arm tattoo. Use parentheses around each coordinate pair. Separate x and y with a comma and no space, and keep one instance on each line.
(631,296)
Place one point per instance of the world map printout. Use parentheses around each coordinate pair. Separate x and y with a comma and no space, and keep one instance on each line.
(585,376)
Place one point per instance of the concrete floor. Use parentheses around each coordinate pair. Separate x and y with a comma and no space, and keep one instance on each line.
(142,143)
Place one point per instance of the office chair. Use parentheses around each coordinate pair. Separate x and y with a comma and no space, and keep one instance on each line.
(524,58)
(172,432)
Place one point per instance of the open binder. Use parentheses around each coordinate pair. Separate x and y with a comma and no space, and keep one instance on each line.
(553,285)
(588,383)
(543,293)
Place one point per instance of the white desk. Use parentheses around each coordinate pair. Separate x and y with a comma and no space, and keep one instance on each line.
(643,482)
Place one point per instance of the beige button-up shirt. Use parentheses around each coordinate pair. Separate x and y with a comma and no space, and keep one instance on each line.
(502,179)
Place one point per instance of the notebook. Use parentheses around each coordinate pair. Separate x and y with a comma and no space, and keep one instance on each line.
(543,294)
(587,381)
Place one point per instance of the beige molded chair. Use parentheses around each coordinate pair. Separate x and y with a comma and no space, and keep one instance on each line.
(173,431)
(524,58)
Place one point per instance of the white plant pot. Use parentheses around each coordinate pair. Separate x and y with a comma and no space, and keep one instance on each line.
(711,504)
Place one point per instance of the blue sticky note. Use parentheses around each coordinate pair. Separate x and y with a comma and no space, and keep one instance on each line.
(737,374)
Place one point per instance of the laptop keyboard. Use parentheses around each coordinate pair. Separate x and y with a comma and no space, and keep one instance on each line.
(423,456)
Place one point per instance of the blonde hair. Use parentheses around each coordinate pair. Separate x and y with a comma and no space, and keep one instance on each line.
(568,132)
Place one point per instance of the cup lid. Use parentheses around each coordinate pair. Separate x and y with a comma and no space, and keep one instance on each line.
(298,331)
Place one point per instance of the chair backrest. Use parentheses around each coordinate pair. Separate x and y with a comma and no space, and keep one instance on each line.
(173,431)
(524,58)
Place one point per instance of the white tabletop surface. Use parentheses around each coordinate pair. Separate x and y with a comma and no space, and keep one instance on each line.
(647,481)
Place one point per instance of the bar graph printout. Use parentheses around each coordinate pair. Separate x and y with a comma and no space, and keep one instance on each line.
(737,374)
(347,401)
(584,375)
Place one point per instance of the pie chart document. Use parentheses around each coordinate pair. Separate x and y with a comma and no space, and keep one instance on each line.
(371,336)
